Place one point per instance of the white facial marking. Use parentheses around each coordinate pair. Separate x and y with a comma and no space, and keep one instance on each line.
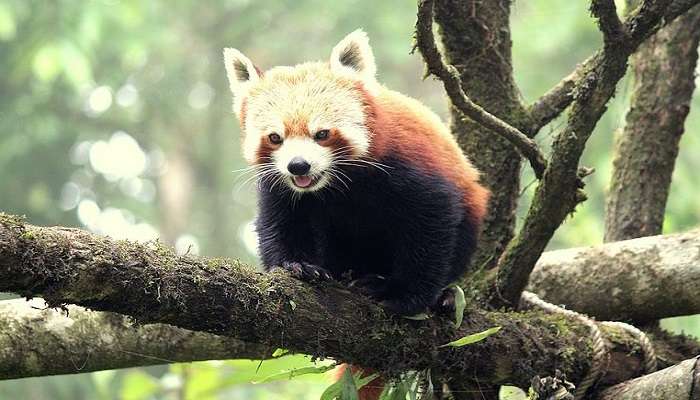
(317,156)
(324,103)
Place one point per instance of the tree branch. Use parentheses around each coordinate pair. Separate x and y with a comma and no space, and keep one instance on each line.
(614,33)
(449,76)
(559,191)
(646,150)
(557,99)
(39,341)
(85,341)
(640,280)
(153,285)
(552,103)
(679,382)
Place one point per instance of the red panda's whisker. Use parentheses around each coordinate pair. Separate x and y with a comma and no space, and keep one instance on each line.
(262,172)
(256,170)
(334,174)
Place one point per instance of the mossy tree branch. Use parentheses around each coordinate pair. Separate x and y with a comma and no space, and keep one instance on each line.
(551,104)
(560,189)
(84,341)
(153,285)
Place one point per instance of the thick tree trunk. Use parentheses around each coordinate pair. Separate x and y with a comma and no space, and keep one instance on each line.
(476,40)
(646,149)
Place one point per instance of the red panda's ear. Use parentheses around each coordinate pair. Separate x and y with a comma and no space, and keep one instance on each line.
(241,72)
(354,55)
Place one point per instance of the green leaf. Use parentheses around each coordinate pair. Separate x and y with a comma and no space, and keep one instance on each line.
(347,386)
(245,372)
(343,389)
(473,338)
(511,393)
(361,381)
(102,381)
(279,352)
(332,392)
(289,374)
(292,304)
(396,392)
(460,304)
(76,65)
(201,382)
(348,389)
(417,317)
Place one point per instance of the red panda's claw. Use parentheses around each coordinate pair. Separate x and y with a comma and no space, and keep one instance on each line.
(306,271)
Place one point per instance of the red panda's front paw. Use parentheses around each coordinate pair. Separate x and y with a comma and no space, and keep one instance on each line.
(306,271)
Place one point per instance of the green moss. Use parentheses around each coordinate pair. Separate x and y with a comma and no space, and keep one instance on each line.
(11,219)
(28,235)
(216,263)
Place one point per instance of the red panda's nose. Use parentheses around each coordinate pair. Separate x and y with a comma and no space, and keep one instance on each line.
(298,166)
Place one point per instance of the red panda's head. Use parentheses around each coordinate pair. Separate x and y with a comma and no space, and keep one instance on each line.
(300,123)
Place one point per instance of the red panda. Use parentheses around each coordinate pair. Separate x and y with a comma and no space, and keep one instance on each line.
(355,179)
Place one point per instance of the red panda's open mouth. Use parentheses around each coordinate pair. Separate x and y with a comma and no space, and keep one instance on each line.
(304,181)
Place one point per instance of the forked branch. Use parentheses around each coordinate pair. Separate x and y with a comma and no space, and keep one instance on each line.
(425,42)
(560,189)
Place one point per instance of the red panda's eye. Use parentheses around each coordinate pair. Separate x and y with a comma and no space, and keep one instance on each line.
(275,138)
(322,134)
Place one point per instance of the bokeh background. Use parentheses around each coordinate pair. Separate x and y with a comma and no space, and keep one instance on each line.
(115,116)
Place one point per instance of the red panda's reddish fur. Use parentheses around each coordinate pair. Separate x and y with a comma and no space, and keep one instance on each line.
(402,126)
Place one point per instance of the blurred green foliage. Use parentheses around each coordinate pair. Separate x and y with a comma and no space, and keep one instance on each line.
(115,115)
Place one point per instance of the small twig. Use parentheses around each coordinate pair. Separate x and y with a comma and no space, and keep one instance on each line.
(449,76)
(552,103)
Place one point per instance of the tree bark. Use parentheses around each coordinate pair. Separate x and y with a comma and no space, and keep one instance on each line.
(646,150)
(153,285)
(679,382)
(476,40)
(40,341)
(640,280)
